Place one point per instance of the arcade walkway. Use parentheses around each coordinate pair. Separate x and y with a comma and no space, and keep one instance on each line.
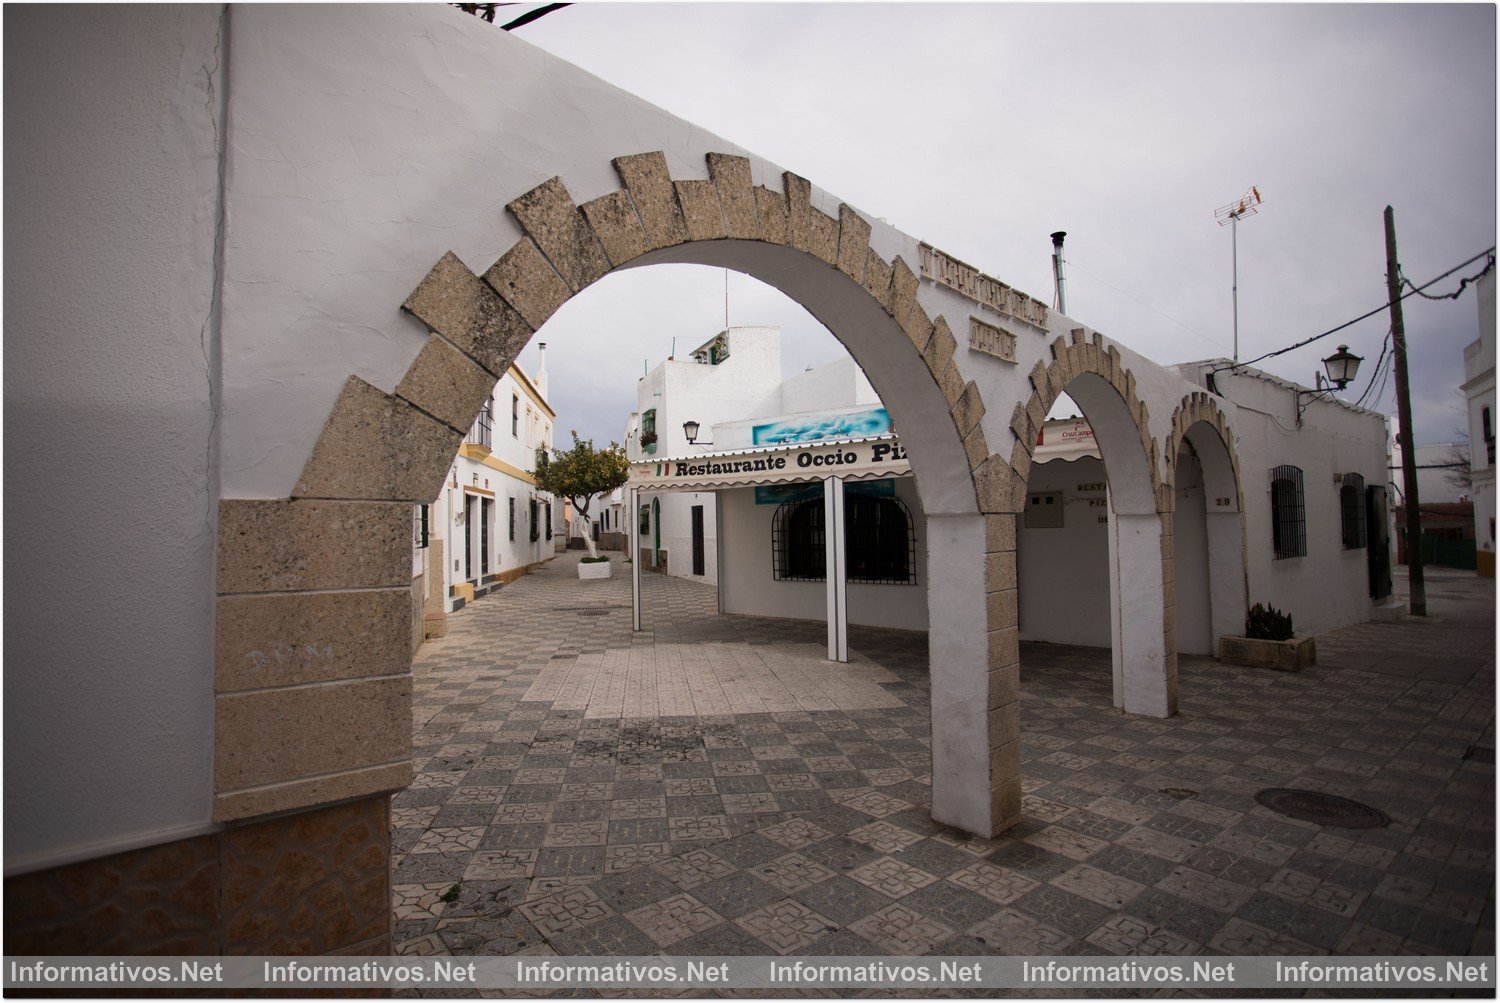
(711,786)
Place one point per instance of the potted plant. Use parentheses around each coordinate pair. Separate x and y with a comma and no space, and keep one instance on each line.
(594,567)
(1268,643)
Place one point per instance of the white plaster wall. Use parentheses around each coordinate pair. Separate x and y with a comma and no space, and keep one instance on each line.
(1063,574)
(1330,586)
(111,348)
(677,534)
(746,584)
(833,384)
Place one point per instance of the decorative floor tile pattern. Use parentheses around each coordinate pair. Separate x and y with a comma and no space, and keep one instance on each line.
(713,786)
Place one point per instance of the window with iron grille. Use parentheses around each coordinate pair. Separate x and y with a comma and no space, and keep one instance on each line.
(549,520)
(1288,515)
(536,530)
(880,546)
(512,520)
(1352,511)
(420,527)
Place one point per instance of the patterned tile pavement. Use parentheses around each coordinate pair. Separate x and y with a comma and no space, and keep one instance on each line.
(609,826)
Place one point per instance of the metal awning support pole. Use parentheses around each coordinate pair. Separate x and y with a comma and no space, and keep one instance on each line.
(834,566)
(635,559)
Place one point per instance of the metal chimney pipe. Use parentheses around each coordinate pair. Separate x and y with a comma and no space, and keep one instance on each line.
(1060,300)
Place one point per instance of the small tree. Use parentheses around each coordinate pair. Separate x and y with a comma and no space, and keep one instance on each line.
(580,473)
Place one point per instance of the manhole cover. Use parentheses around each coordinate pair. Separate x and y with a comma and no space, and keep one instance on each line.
(1322,809)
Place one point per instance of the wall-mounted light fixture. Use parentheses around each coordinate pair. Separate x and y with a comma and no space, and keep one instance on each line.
(690,429)
(1341,367)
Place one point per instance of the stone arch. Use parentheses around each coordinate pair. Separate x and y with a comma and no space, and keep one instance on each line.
(1142,625)
(346,524)
(1216,554)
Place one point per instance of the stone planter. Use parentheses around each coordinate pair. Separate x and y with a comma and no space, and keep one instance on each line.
(597,570)
(1288,656)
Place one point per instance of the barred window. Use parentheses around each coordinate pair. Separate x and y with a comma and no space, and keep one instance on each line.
(879,542)
(1352,510)
(536,529)
(1288,515)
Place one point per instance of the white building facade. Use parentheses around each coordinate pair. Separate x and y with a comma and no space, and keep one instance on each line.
(490,524)
(1479,395)
(733,374)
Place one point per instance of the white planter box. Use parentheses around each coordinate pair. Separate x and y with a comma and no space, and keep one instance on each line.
(599,570)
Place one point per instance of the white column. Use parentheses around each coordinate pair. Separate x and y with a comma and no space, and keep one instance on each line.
(634,508)
(965,766)
(838,590)
(1146,686)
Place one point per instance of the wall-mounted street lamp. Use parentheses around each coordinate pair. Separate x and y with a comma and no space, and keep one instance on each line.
(1341,367)
(690,429)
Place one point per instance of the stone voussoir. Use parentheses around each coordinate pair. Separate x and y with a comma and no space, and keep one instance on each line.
(878,279)
(771,210)
(940,347)
(452,301)
(701,210)
(798,210)
(969,409)
(647,179)
(549,216)
(976,448)
(823,236)
(617,226)
(378,447)
(854,243)
(446,384)
(526,280)
(731,176)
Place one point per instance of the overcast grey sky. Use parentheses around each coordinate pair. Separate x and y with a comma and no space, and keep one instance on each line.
(982,128)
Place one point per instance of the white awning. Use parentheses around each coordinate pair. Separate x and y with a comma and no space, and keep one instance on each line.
(852,459)
(1068,439)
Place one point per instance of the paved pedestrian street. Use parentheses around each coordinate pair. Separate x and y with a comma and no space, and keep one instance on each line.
(712,786)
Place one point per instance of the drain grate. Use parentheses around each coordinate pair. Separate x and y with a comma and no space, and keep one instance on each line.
(1322,809)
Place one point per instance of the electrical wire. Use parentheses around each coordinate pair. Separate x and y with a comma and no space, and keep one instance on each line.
(1455,294)
(1364,316)
(1375,370)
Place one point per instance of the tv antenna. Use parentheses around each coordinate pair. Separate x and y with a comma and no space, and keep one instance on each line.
(1247,204)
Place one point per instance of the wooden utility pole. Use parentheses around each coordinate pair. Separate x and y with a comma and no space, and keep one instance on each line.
(1403,414)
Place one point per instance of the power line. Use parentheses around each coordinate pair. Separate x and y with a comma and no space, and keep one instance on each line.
(1455,294)
(1364,316)
(1375,371)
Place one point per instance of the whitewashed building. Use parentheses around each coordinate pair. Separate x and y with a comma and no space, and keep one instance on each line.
(489,525)
(733,374)
(1316,502)
(1479,395)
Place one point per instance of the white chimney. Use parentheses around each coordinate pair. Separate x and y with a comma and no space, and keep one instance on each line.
(541,369)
